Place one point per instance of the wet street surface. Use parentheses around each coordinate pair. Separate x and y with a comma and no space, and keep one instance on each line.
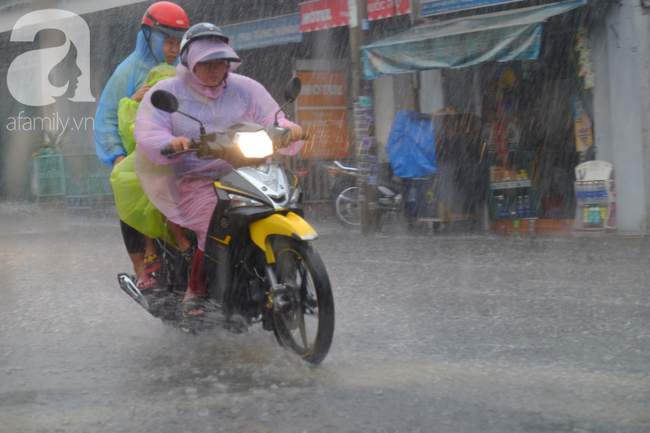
(434,333)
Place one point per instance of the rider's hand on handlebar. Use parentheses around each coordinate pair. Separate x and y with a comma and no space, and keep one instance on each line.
(296,132)
(180,143)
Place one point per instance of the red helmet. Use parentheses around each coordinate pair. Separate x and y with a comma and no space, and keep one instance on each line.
(166,17)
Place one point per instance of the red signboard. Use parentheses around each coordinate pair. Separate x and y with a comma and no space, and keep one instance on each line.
(323,14)
(379,9)
(322,112)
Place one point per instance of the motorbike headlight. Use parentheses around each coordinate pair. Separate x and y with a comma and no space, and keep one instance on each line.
(254,144)
(241,201)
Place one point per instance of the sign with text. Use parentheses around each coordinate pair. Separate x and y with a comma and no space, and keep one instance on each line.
(264,33)
(379,9)
(435,7)
(322,112)
(324,14)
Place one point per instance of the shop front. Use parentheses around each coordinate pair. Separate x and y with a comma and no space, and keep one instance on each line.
(510,96)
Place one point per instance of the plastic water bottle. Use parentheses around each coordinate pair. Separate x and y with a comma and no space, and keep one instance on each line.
(588,193)
(602,192)
(594,215)
(580,193)
(528,210)
(502,211)
(520,207)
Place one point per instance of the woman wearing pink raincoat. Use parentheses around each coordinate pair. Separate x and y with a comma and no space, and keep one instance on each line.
(182,188)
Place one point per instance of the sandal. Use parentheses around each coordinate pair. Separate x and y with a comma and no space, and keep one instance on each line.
(151,263)
(147,282)
(194,304)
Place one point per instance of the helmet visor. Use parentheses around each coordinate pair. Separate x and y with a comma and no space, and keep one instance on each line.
(171,31)
(203,50)
(225,55)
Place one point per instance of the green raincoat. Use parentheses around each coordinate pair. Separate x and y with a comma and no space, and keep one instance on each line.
(133,206)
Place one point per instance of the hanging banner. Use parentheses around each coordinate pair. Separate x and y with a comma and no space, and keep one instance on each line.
(264,33)
(435,7)
(322,112)
(324,14)
(379,9)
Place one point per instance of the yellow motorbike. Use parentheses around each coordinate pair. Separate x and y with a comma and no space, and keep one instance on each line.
(259,260)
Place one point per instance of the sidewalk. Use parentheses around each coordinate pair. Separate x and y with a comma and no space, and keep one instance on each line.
(30,218)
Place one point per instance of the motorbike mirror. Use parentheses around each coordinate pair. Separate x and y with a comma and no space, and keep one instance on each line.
(165,101)
(291,92)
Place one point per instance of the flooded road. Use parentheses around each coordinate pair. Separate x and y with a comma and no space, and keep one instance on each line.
(434,333)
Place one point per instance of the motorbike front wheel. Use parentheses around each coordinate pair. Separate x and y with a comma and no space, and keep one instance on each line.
(346,207)
(306,324)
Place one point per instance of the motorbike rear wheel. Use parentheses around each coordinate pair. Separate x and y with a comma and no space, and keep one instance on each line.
(346,207)
(306,326)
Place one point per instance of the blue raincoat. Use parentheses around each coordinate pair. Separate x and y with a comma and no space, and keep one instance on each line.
(129,76)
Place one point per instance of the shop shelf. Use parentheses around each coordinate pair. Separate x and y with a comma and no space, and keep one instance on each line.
(512,184)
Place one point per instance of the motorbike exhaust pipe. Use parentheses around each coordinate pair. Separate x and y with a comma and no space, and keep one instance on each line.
(128,284)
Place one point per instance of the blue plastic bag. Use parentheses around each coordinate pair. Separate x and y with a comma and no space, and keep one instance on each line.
(411,145)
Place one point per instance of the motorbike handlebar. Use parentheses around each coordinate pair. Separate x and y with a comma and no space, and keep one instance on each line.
(167,151)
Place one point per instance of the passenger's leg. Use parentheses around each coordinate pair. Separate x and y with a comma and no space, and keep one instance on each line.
(181,239)
(198,281)
(134,242)
(151,260)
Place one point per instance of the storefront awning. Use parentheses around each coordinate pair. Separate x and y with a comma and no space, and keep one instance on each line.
(503,36)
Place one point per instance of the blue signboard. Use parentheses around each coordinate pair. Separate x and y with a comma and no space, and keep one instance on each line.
(263,33)
(434,7)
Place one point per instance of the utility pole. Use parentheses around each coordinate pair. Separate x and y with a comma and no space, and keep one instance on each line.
(357,40)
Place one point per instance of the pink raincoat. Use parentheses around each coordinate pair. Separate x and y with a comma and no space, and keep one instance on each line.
(182,188)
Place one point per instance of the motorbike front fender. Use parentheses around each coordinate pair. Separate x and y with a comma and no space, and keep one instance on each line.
(291,226)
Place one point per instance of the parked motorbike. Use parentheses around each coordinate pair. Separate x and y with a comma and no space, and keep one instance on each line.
(347,194)
(260,264)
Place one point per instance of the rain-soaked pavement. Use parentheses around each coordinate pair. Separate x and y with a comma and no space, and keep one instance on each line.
(434,333)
